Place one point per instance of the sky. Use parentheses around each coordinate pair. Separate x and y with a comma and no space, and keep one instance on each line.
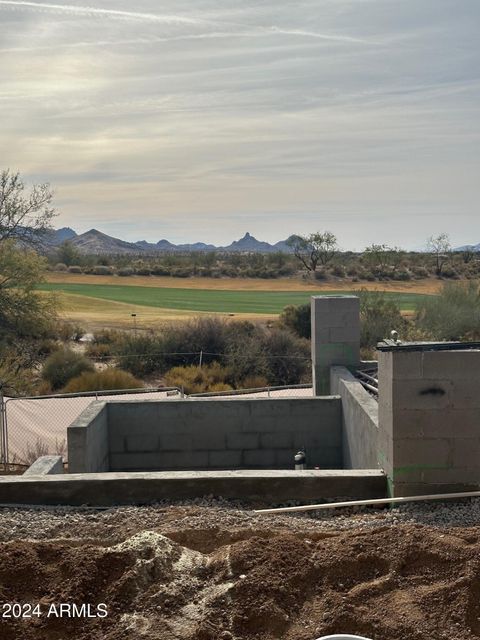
(199,120)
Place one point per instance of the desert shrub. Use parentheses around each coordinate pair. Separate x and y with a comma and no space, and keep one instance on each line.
(60,266)
(454,314)
(450,272)
(160,270)
(62,366)
(254,382)
(194,379)
(379,315)
(143,271)
(102,270)
(75,269)
(107,336)
(126,271)
(402,275)
(420,272)
(368,275)
(108,379)
(181,272)
(298,319)
(320,274)
(66,331)
(338,270)
(288,357)
(99,350)
(140,355)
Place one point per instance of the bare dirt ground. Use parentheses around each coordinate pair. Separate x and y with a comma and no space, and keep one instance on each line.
(219,572)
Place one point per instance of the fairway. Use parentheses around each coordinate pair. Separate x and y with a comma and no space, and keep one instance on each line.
(208,300)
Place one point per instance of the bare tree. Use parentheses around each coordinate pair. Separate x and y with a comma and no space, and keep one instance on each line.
(314,249)
(441,248)
(24,216)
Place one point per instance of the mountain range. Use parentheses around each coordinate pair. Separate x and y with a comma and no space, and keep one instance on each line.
(96,242)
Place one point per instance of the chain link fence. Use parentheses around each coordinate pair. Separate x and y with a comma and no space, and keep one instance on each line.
(35,426)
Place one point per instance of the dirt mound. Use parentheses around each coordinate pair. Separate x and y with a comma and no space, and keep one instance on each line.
(392,583)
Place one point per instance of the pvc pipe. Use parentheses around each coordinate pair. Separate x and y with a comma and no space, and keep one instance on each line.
(342,636)
(358,503)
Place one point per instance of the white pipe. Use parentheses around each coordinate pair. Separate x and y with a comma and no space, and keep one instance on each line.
(358,503)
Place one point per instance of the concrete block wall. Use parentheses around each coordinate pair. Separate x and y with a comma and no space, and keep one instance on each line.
(429,420)
(335,337)
(359,422)
(212,434)
(87,440)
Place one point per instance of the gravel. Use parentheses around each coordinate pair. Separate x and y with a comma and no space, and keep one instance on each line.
(114,524)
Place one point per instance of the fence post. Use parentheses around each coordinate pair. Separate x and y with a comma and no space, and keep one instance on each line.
(3,438)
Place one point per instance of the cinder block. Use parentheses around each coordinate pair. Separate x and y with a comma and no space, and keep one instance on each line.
(204,440)
(344,334)
(453,364)
(466,453)
(325,457)
(285,458)
(175,442)
(407,365)
(243,441)
(277,441)
(259,458)
(421,394)
(413,451)
(142,442)
(437,423)
(225,459)
(466,393)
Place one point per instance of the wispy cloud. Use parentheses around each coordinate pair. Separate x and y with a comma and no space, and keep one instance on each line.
(274,116)
(112,13)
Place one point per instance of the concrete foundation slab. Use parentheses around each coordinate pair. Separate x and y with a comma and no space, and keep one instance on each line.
(269,487)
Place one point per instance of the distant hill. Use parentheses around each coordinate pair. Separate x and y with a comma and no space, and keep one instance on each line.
(469,247)
(97,242)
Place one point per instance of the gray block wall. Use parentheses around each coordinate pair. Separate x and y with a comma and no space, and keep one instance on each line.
(211,434)
(429,420)
(359,422)
(335,337)
(87,440)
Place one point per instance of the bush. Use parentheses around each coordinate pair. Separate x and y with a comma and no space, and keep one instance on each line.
(99,351)
(106,380)
(194,379)
(379,315)
(339,271)
(75,269)
(320,274)
(452,315)
(62,366)
(60,266)
(102,270)
(298,319)
(126,271)
(288,357)
(143,271)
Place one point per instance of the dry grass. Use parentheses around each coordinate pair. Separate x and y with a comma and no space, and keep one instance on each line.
(95,314)
(431,285)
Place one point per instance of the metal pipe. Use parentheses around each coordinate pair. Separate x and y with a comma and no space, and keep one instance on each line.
(359,503)
(367,377)
(369,387)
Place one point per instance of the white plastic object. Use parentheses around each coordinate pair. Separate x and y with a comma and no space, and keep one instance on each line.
(342,636)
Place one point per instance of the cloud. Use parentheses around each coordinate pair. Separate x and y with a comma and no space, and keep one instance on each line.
(111,13)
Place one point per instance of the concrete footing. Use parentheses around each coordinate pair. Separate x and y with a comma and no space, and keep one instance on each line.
(266,486)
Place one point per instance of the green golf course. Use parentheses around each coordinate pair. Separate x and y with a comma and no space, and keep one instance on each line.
(208,300)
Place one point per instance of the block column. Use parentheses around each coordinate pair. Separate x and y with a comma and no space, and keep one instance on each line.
(335,337)
(429,418)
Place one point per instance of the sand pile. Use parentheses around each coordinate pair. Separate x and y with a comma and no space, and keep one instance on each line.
(408,582)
